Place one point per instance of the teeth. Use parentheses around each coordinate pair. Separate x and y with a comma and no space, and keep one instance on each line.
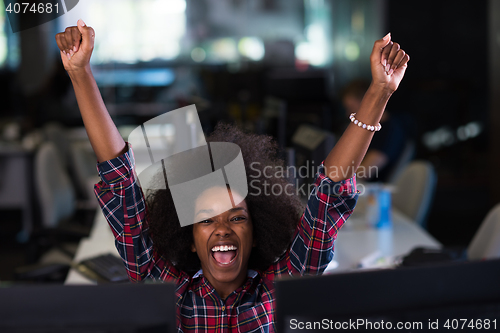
(224,248)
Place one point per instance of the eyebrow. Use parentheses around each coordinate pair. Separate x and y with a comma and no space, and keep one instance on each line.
(208,211)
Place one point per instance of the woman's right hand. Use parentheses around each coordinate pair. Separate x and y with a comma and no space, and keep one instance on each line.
(76,45)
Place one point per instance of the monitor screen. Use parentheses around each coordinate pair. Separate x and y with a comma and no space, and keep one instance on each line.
(450,297)
(104,308)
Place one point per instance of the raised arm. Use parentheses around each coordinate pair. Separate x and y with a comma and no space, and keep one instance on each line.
(126,217)
(76,45)
(388,65)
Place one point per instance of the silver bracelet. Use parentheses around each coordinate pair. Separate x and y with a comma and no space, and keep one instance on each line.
(365,126)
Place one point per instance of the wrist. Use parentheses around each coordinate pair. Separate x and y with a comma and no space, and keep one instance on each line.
(79,72)
(380,90)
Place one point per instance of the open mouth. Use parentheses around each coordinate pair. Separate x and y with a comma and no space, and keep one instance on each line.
(224,254)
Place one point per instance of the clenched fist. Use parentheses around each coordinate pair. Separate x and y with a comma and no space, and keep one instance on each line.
(388,63)
(76,45)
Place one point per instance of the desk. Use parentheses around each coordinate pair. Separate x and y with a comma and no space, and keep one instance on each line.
(100,241)
(355,241)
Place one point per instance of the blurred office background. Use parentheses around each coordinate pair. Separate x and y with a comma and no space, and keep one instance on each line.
(267,65)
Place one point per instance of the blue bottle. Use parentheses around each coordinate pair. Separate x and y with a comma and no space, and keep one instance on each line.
(384,205)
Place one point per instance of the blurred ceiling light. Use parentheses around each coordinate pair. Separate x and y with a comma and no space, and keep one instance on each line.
(312,53)
(315,49)
(252,48)
(225,49)
(473,129)
(469,131)
(302,51)
(462,134)
(198,54)
(430,141)
(443,136)
(315,33)
(351,51)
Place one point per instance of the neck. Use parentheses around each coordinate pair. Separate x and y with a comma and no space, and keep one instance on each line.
(224,289)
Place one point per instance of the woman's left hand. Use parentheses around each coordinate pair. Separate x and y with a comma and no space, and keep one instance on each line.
(388,63)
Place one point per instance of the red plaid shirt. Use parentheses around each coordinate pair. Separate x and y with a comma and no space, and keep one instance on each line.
(199,308)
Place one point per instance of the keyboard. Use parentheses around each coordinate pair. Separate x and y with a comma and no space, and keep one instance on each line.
(104,268)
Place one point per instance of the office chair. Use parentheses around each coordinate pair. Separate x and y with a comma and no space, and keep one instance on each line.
(54,189)
(83,162)
(414,191)
(78,160)
(403,161)
(486,242)
(56,134)
(484,245)
(58,234)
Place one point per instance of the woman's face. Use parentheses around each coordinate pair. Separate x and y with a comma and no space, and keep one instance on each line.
(224,242)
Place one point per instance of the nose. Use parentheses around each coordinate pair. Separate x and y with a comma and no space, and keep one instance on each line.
(223,229)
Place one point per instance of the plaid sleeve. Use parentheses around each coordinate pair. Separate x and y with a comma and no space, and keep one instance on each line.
(330,204)
(122,203)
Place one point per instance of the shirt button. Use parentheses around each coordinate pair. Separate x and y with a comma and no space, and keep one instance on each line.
(223,308)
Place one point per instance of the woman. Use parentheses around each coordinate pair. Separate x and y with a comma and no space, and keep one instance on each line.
(225,265)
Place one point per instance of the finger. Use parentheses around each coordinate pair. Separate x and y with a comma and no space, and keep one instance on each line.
(77,37)
(397,59)
(392,55)
(68,37)
(63,44)
(385,55)
(88,35)
(404,62)
(60,42)
(378,46)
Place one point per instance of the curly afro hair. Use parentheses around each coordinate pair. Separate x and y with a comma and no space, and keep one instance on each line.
(274,216)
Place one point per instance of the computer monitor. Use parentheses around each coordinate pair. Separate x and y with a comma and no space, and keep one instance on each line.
(450,297)
(103,308)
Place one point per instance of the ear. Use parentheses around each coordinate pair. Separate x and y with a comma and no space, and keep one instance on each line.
(193,248)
